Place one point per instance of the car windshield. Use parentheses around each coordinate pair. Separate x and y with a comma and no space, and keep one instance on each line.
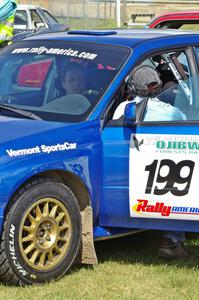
(58,81)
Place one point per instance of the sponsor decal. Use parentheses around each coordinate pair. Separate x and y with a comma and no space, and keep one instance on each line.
(144,206)
(41,149)
(168,144)
(181,147)
(56,51)
(163,176)
(159,207)
(177,145)
(13,252)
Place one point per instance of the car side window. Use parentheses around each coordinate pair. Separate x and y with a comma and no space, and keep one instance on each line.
(174,101)
(21,20)
(171,97)
(36,20)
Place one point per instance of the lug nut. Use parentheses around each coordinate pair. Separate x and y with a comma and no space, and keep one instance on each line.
(48,226)
(48,238)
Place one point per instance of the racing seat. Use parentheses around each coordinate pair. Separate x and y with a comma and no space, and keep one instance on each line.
(168,92)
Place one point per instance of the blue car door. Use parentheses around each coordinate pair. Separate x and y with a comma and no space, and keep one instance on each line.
(151,170)
(114,209)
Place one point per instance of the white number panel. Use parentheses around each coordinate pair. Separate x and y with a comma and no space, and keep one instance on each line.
(164,176)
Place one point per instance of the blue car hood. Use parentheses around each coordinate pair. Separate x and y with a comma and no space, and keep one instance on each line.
(29,147)
(17,128)
(23,137)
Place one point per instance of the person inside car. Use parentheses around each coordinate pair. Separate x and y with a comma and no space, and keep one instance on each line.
(145,82)
(72,98)
(73,79)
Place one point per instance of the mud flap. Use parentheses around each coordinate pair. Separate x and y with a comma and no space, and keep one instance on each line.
(87,252)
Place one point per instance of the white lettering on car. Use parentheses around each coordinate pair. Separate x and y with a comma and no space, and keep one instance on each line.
(56,51)
(58,147)
(87,55)
(23,151)
(41,149)
(13,252)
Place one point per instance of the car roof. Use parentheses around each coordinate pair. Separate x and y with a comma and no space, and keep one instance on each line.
(177,14)
(28,6)
(123,37)
(174,16)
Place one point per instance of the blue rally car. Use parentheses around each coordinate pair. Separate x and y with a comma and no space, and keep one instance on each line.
(70,173)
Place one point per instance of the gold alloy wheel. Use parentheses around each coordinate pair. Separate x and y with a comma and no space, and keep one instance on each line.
(45,234)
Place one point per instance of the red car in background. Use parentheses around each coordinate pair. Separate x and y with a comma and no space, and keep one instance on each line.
(176,20)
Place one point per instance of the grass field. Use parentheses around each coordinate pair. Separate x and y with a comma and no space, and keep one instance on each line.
(79,23)
(88,23)
(128,269)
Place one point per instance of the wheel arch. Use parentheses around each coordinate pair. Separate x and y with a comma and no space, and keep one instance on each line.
(74,183)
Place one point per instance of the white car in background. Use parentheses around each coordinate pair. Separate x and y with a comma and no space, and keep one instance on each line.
(31,18)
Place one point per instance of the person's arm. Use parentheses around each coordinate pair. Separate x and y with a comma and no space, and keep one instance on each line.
(179,115)
(161,111)
(119,112)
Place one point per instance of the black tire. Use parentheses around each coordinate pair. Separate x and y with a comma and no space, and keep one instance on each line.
(42,233)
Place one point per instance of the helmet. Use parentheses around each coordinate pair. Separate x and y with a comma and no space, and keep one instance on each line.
(139,80)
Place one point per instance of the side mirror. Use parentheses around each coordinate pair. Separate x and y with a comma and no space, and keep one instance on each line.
(130,113)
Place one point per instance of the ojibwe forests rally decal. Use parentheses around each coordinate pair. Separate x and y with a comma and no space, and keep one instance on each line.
(164,176)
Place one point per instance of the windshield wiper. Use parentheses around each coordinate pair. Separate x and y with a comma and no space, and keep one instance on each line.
(21,113)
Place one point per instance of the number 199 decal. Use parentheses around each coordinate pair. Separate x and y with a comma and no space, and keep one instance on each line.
(174,175)
(164,176)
